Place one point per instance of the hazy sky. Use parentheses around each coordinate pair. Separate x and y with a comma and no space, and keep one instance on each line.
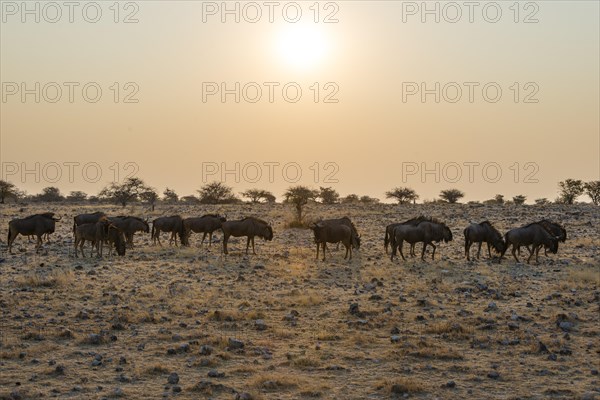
(382,64)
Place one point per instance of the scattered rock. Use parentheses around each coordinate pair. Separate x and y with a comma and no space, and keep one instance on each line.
(235,344)
(173,378)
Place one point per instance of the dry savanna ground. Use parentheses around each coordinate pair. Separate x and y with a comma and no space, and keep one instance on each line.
(192,323)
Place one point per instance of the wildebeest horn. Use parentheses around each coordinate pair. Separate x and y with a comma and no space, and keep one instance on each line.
(57,219)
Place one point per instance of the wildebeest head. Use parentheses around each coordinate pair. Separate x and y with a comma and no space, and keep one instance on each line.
(447,234)
(553,245)
(222,218)
(117,237)
(356,241)
(268,233)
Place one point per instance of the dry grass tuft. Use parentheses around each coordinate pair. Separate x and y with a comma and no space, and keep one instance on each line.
(401,386)
(53,279)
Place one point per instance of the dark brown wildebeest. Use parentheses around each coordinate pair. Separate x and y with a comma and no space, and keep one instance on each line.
(97,233)
(389,231)
(335,233)
(343,221)
(87,219)
(173,224)
(427,231)
(205,224)
(534,235)
(37,224)
(249,227)
(130,225)
(483,232)
(555,230)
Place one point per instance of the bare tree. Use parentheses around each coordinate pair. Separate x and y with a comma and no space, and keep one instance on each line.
(592,189)
(299,196)
(570,190)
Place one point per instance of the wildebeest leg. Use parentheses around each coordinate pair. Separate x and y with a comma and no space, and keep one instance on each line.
(324,250)
(489,251)
(478,250)
(247,244)
(12,235)
(537,252)
(337,246)
(76,243)
(318,245)
(210,239)
(225,239)
(423,251)
(467,248)
(40,241)
(203,237)
(253,252)
(412,249)
(348,250)
(434,247)
(400,246)
(514,249)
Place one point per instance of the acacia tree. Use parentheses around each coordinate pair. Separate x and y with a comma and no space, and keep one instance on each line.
(169,196)
(451,195)
(256,195)
(570,189)
(216,193)
(77,196)
(403,195)
(519,199)
(150,196)
(299,196)
(123,193)
(50,194)
(328,195)
(351,198)
(592,189)
(7,190)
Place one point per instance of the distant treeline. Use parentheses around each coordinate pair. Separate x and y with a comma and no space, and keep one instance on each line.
(135,190)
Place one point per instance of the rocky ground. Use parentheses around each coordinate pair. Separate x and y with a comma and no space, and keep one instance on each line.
(192,323)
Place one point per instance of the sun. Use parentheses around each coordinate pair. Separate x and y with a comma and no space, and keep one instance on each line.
(302,45)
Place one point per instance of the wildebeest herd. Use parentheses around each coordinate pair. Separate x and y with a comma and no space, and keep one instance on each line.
(118,232)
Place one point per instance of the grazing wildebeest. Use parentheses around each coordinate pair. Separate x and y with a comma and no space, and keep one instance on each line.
(205,224)
(389,231)
(250,227)
(483,232)
(343,221)
(87,219)
(555,230)
(130,225)
(173,224)
(534,235)
(93,232)
(116,238)
(427,231)
(37,224)
(335,233)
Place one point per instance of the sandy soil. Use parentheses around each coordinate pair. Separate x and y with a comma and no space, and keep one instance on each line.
(281,325)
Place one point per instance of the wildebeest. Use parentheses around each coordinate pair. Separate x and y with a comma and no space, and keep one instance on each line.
(427,231)
(97,233)
(343,221)
(250,227)
(87,219)
(335,233)
(173,224)
(130,225)
(555,230)
(534,235)
(483,232)
(37,224)
(389,231)
(205,224)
